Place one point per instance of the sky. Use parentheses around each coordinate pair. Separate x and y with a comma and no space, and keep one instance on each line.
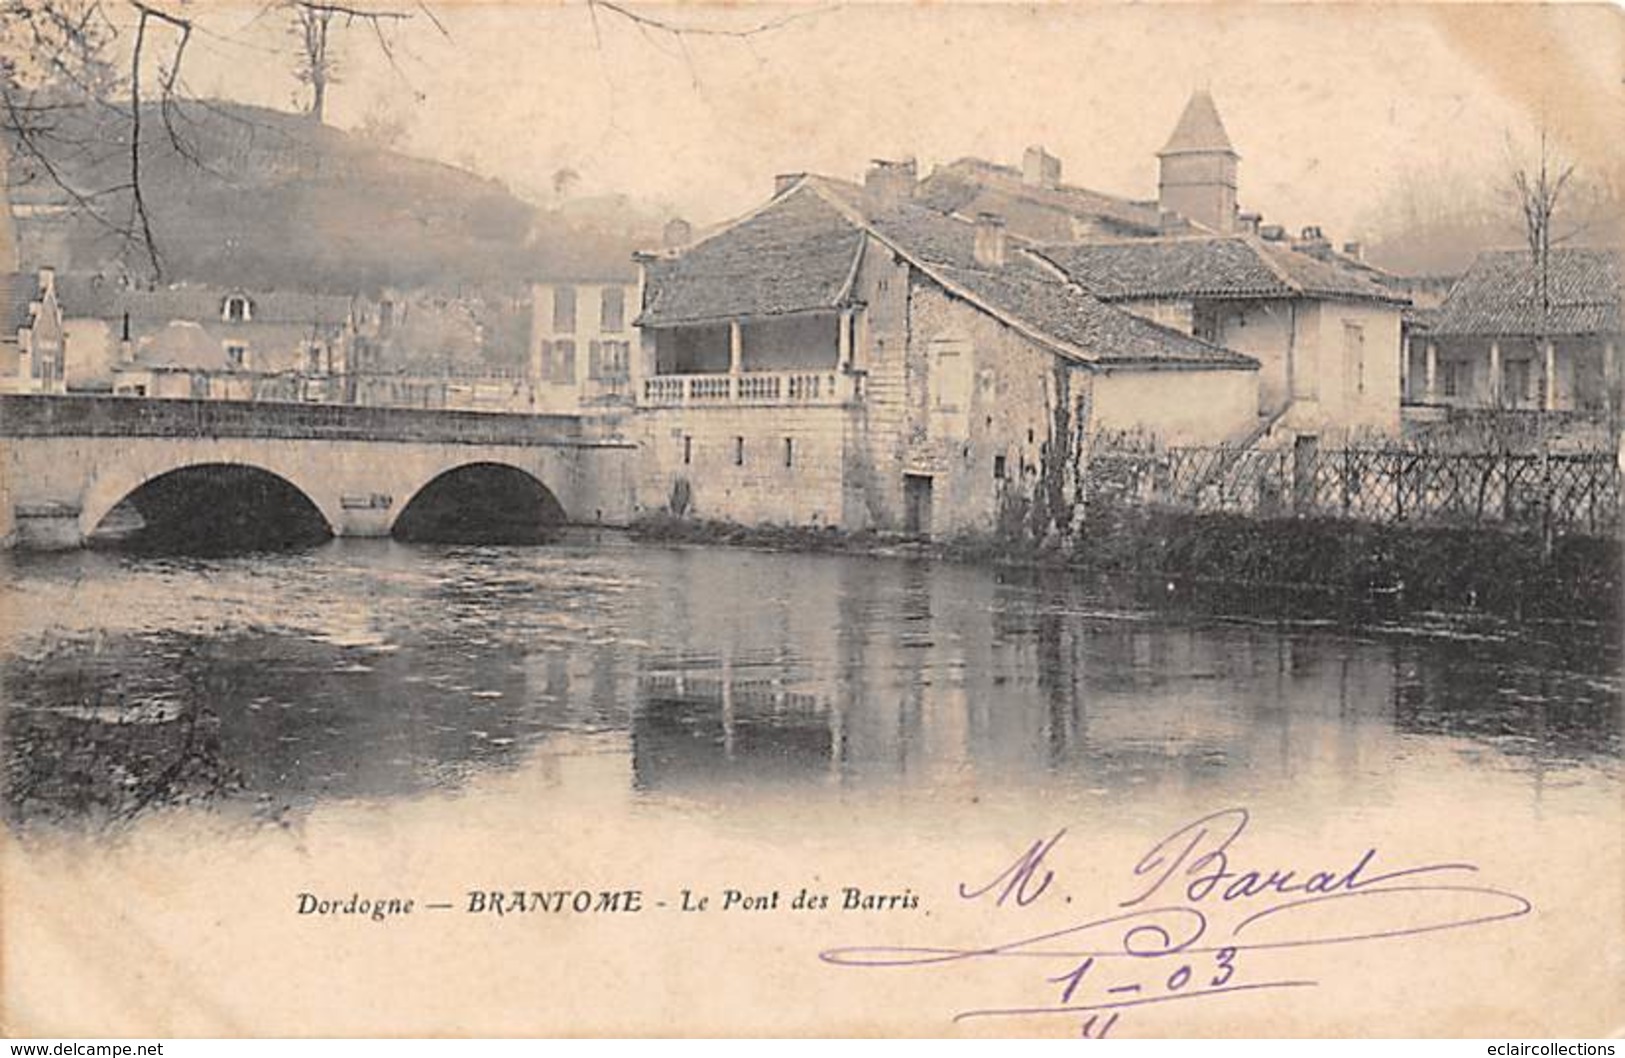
(1337,111)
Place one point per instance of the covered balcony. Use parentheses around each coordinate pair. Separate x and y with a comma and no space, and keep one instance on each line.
(1570,374)
(797,359)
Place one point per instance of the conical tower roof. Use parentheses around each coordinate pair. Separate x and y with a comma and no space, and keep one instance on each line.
(1199,130)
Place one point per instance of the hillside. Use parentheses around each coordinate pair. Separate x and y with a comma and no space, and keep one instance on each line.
(261,198)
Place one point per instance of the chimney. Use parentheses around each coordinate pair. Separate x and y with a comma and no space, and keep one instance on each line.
(888,184)
(1354,250)
(1248,223)
(1312,241)
(1272,233)
(1039,168)
(677,234)
(992,245)
(785,181)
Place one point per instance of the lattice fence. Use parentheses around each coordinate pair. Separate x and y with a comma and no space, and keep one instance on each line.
(1573,492)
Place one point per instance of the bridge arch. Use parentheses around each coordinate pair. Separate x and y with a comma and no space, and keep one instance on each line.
(480,501)
(212,477)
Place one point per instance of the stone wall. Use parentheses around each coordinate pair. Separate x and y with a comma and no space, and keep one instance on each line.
(732,463)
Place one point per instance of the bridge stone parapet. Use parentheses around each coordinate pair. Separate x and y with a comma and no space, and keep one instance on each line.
(24,415)
(68,460)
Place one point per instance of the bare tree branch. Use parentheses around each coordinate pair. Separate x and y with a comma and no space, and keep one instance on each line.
(680,30)
(318,64)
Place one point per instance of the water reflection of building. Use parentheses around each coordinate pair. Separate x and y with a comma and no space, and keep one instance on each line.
(702,730)
(883,673)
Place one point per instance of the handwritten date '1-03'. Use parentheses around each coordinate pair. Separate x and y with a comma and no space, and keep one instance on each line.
(1195,913)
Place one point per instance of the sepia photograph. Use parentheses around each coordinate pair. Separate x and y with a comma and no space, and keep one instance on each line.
(605,518)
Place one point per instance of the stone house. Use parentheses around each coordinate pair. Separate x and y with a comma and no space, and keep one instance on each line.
(1327,337)
(844,356)
(1496,343)
(1324,325)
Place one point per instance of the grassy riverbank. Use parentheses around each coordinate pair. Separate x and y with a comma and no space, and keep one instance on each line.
(1291,567)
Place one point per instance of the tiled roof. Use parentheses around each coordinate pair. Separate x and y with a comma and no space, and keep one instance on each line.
(799,253)
(795,254)
(1032,296)
(1221,266)
(100,297)
(1199,129)
(971,185)
(1499,295)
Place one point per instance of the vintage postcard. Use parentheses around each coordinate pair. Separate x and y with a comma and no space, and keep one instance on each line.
(838,519)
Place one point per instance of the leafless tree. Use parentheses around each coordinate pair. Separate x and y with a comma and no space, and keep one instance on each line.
(1539,188)
(314,23)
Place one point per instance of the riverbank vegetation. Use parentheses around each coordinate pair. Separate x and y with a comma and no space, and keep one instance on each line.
(1291,567)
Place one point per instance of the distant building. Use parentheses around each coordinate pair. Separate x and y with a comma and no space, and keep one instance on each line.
(1033,201)
(33,356)
(582,336)
(200,341)
(1196,189)
(1496,343)
(843,356)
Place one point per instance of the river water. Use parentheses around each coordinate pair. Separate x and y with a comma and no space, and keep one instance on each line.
(301,712)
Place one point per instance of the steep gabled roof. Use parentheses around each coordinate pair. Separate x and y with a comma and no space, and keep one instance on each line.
(1220,266)
(1200,130)
(1500,295)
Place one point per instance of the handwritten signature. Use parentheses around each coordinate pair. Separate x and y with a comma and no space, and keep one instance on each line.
(1198,908)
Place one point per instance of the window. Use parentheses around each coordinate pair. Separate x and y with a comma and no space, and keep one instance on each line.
(564,362)
(1456,378)
(789,452)
(951,362)
(998,468)
(564,310)
(612,310)
(608,360)
(236,356)
(688,449)
(237,310)
(1354,355)
(739,451)
(1515,376)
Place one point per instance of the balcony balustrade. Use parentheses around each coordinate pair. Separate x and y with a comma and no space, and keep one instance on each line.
(789,388)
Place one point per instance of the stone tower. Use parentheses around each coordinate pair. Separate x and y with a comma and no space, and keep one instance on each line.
(1198,168)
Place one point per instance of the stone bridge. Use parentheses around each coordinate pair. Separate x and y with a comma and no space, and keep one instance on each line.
(69,460)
